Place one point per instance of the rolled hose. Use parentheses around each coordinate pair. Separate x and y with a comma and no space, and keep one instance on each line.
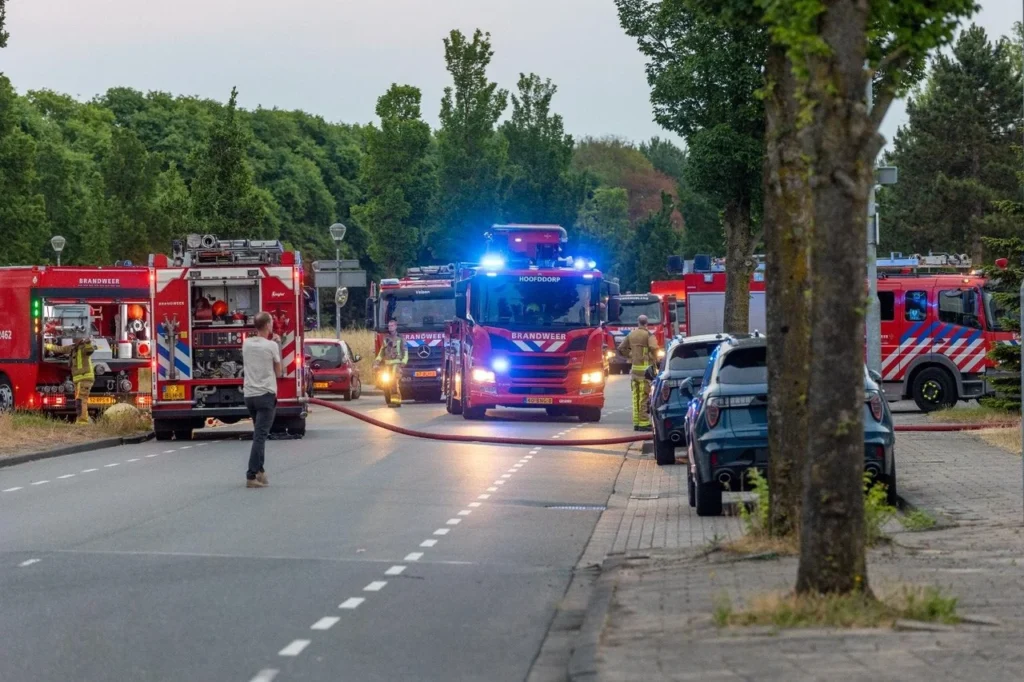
(465,438)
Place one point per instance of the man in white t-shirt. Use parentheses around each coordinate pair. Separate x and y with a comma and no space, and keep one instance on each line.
(261,360)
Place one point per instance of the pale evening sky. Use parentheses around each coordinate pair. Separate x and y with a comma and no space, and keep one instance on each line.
(335,57)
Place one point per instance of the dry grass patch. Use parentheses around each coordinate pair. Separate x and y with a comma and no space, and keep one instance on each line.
(973,415)
(927,604)
(764,545)
(27,432)
(1006,439)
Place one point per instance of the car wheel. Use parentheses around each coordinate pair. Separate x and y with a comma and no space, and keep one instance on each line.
(691,494)
(347,395)
(358,391)
(933,389)
(708,498)
(664,452)
(891,494)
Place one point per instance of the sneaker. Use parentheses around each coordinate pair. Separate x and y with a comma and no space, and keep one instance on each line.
(262,478)
(254,483)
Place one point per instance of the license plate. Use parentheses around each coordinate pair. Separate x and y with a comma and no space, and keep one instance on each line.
(101,400)
(430,373)
(540,401)
(174,393)
(320,384)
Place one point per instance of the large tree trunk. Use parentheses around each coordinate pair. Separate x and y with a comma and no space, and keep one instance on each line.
(739,266)
(788,222)
(832,553)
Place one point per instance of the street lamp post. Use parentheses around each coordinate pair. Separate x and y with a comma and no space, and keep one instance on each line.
(338,235)
(58,244)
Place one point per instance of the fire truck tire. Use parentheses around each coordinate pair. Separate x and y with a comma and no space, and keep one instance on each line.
(933,389)
(162,432)
(590,414)
(6,394)
(452,405)
(664,452)
(296,426)
(474,413)
(183,434)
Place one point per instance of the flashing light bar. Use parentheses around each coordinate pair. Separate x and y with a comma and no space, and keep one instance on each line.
(492,262)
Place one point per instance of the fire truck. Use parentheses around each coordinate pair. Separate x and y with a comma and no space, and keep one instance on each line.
(527,329)
(205,296)
(44,305)
(422,302)
(705,302)
(625,310)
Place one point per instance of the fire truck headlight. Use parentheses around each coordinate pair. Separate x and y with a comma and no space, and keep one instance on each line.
(661,353)
(483,376)
(591,378)
(609,354)
(500,365)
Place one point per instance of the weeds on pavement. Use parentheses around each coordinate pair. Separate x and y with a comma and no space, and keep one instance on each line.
(857,610)
(918,520)
(1005,439)
(877,511)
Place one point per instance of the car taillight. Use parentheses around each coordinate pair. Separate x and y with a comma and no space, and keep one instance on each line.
(875,403)
(666,391)
(713,412)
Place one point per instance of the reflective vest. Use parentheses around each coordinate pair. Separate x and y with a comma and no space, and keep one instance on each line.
(394,350)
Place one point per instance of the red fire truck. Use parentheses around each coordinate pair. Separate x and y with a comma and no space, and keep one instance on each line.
(43,305)
(205,298)
(625,309)
(422,302)
(527,329)
(676,289)
(705,302)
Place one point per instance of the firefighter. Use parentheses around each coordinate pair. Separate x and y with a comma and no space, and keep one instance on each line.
(79,356)
(641,347)
(394,354)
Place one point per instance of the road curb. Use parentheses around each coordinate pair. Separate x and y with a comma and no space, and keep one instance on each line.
(74,449)
(583,662)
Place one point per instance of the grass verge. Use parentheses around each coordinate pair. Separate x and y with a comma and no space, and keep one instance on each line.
(1006,439)
(928,604)
(918,520)
(27,432)
(972,415)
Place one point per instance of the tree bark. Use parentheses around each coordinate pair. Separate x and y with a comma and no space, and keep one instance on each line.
(788,223)
(841,137)
(739,266)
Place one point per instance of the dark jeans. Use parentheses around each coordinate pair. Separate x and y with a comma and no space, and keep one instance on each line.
(261,409)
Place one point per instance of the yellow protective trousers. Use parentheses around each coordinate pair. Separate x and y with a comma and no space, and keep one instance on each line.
(641,387)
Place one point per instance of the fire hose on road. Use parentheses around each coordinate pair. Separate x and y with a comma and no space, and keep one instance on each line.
(619,440)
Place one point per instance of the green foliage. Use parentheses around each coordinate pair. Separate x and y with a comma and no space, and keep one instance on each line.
(756,521)
(666,157)
(22,208)
(918,520)
(653,239)
(956,156)
(4,35)
(471,156)
(601,228)
(877,511)
(1005,285)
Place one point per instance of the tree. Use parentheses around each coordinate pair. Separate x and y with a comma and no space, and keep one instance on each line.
(471,155)
(602,228)
(22,210)
(225,201)
(956,155)
(4,35)
(652,240)
(130,177)
(396,178)
(666,157)
(704,76)
(1005,285)
(828,45)
(540,187)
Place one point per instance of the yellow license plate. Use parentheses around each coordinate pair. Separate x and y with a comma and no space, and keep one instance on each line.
(174,392)
(101,400)
(539,401)
(430,373)
(320,384)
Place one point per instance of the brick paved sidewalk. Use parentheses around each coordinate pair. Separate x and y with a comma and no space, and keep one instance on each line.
(659,620)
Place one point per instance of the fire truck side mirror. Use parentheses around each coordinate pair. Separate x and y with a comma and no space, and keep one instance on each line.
(460,306)
(672,316)
(370,307)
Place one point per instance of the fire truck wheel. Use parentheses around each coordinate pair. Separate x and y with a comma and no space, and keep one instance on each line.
(183,434)
(590,414)
(933,389)
(297,426)
(162,432)
(452,405)
(6,394)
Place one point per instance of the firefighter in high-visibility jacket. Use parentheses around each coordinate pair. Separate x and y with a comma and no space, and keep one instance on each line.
(641,347)
(394,354)
(79,355)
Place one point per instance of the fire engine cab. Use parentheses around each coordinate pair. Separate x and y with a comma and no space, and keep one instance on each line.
(528,329)
(626,309)
(44,305)
(422,303)
(205,296)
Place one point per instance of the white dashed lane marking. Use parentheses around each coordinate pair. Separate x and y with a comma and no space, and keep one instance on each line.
(475,504)
(453,522)
(428,543)
(395,570)
(66,476)
(492,489)
(351,603)
(465,512)
(375,586)
(89,471)
(483,497)
(265,675)
(414,556)
(442,531)
(325,623)
(112,464)
(295,648)
(157,455)
(14,489)
(28,562)
(39,482)
(167,452)
(135,459)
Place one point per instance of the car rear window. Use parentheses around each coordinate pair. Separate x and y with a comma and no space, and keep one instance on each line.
(691,356)
(329,354)
(744,366)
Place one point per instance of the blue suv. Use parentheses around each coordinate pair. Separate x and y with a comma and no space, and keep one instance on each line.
(727,426)
(685,358)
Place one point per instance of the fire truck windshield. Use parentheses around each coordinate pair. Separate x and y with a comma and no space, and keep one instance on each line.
(630,311)
(415,310)
(535,301)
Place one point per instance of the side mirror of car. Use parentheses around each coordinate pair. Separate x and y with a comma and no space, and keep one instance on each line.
(875,376)
(357,357)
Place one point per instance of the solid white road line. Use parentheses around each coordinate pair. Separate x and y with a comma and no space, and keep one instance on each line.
(414,556)
(66,476)
(453,522)
(351,603)
(465,512)
(28,562)
(295,648)
(325,623)
(375,586)
(89,471)
(112,464)
(11,490)
(483,497)
(265,675)
(39,482)
(475,504)
(395,570)
(428,543)
(442,531)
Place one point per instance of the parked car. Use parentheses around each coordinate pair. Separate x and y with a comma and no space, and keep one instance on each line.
(334,367)
(685,358)
(728,426)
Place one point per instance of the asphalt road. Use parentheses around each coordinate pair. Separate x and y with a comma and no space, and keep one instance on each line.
(369,557)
